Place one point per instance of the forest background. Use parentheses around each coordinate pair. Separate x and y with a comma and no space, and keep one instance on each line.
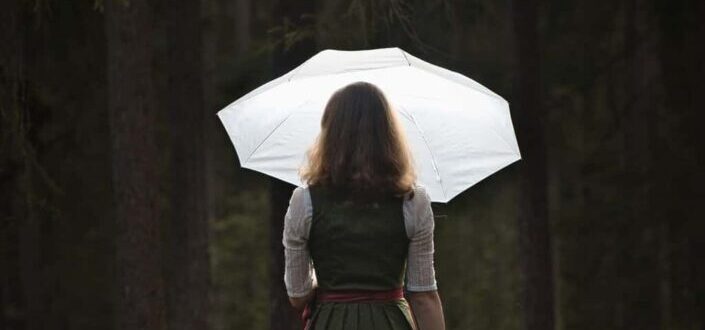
(123,205)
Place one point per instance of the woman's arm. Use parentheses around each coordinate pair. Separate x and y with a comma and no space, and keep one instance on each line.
(299,276)
(427,309)
(422,290)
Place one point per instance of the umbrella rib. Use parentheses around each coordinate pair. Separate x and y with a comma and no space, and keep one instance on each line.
(483,89)
(293,72)
(405,58)
(494,130)
(434,165)
(267,137)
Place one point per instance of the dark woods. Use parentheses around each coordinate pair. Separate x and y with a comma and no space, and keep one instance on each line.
(122,203)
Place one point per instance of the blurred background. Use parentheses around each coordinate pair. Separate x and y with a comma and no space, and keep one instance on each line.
(123,205)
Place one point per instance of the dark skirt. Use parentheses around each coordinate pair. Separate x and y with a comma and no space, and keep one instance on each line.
(389,315)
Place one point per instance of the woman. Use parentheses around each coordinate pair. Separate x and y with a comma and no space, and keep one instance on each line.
(362,223)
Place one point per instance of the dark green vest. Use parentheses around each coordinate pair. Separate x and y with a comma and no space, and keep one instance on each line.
(355,245)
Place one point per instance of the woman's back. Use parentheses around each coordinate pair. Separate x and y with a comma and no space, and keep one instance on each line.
(357,245)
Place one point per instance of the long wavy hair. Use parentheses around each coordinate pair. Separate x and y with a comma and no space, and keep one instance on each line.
(361,148)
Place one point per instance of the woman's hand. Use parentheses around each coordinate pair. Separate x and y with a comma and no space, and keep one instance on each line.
(427,309)
(300,302)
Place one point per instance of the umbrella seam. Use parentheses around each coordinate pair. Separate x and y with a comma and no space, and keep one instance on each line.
(473,88)
(293,72)
(433,157)
(298,68)
(494,130)
(491,93)
(268,136)
(405,58)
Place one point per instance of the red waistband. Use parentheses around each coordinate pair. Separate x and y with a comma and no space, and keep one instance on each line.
(349,296)
(359,295)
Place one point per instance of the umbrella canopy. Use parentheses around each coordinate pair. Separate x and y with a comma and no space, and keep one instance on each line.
(459,131)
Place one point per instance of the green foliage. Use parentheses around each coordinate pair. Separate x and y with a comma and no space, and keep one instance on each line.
(476,256)
(239,245)
(289,33)
(368,24)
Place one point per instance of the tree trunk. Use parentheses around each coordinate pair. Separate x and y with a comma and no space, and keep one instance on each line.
(534,237)
(223,19)
(188,275)
(282,315)
(23,228)
(680,52)
(131,105)
(13,23)
(639,165)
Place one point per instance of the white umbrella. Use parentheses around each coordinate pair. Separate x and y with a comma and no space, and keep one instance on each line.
(459,131)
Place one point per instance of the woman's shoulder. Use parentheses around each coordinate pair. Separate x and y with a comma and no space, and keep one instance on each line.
(418,195)
(301,199)
(416,209)
(299,191)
